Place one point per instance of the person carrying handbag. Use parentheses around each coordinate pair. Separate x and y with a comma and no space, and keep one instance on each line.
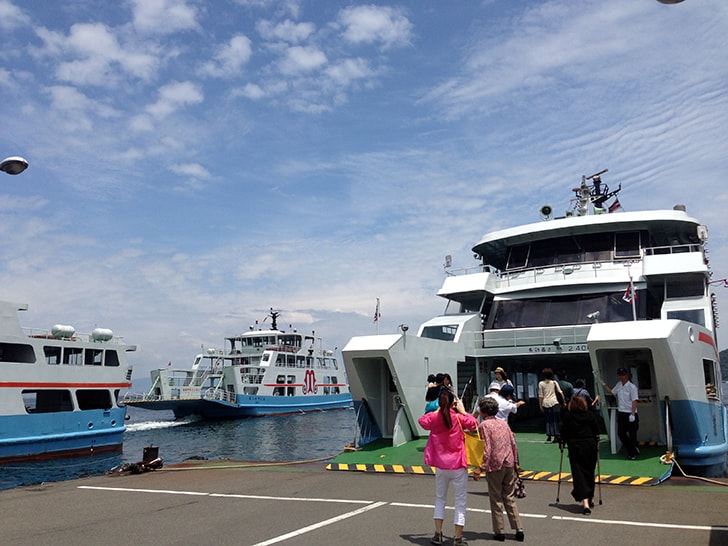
(500,462)
(445,450)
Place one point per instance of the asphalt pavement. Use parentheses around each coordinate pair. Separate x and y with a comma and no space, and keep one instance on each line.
(306,504)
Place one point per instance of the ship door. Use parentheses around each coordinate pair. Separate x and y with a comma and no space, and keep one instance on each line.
(640,364)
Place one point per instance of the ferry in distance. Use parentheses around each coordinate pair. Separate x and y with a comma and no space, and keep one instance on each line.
(59,390)
(259,372)
(590,292)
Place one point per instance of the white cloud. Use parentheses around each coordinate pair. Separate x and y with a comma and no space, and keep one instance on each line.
(193,170)
(300,59)
(11,16)
(96,53)
(164,16)
(251,91)
(345,72)
(287,31)
(230,58)
(375,24)
(174,96)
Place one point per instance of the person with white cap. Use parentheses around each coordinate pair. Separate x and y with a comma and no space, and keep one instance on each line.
(627,418)
(505,405)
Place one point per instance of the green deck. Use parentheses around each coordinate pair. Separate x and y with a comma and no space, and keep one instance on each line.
(539,461)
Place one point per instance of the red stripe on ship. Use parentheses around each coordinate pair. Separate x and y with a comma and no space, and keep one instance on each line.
(705,338)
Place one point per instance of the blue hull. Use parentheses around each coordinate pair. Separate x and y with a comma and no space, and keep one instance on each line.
(699,434)
(254,406)
(62,434)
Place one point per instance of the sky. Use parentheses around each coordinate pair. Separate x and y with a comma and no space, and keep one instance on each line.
(195,163)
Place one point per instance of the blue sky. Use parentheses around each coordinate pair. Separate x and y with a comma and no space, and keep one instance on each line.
(194,163)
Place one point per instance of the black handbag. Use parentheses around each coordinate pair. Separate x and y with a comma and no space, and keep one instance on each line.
(520,491)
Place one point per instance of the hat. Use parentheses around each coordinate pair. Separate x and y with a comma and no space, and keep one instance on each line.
(500,370)
(494,386)
(506,390)
(622,371)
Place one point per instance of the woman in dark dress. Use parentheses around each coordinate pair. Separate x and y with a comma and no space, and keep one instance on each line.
(580,432)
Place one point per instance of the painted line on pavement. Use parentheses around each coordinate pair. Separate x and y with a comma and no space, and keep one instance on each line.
(645,524)
(376,504)
(321,524)
(228,495)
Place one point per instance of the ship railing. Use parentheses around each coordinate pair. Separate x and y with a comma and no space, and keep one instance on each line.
(219,394)
(480,268)
(608,264)
(553,337)
(673,249)
(42,333)
(140,397)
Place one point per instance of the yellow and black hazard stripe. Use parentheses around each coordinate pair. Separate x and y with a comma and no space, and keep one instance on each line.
(525,474)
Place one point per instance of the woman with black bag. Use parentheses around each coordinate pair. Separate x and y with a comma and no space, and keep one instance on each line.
(580,432)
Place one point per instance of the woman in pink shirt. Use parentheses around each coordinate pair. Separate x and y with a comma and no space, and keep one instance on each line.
(445,450)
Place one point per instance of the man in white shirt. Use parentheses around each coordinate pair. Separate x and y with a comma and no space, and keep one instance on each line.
(627,418)
(505,405)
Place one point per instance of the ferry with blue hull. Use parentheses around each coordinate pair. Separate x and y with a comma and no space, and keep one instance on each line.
(585,294)
(59,390)
(259,372)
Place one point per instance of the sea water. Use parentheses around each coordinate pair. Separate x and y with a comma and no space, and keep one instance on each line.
(300,437)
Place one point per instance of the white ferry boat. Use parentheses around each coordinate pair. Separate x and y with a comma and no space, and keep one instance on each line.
(588,293)
(59,390)
(259,372)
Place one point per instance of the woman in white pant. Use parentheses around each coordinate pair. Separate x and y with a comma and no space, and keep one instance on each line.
(445,450)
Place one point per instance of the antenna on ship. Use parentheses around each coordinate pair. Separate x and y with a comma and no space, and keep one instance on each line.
(592,196)
(273,316)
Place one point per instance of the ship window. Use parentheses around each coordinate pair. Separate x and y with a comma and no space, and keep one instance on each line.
(47,401)
(265,358)
(327,384)
(568,250)
(52,355)
(280,390)
(73,356)
(711,389)
(560,311)
(597,246)
(335,387)
(696,316)
(685,287)
(543,253)
(518,256)
(93,357)
(309,362)
(93,399)
(445,332)
(300,362)
(112,359)
(627,244)
(16,352)
(291,390)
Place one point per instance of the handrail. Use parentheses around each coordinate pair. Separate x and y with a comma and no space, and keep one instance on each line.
(668,428)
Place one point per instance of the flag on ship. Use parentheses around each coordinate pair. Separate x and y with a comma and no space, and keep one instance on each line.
(377,314)
(615,206)
(629,295)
